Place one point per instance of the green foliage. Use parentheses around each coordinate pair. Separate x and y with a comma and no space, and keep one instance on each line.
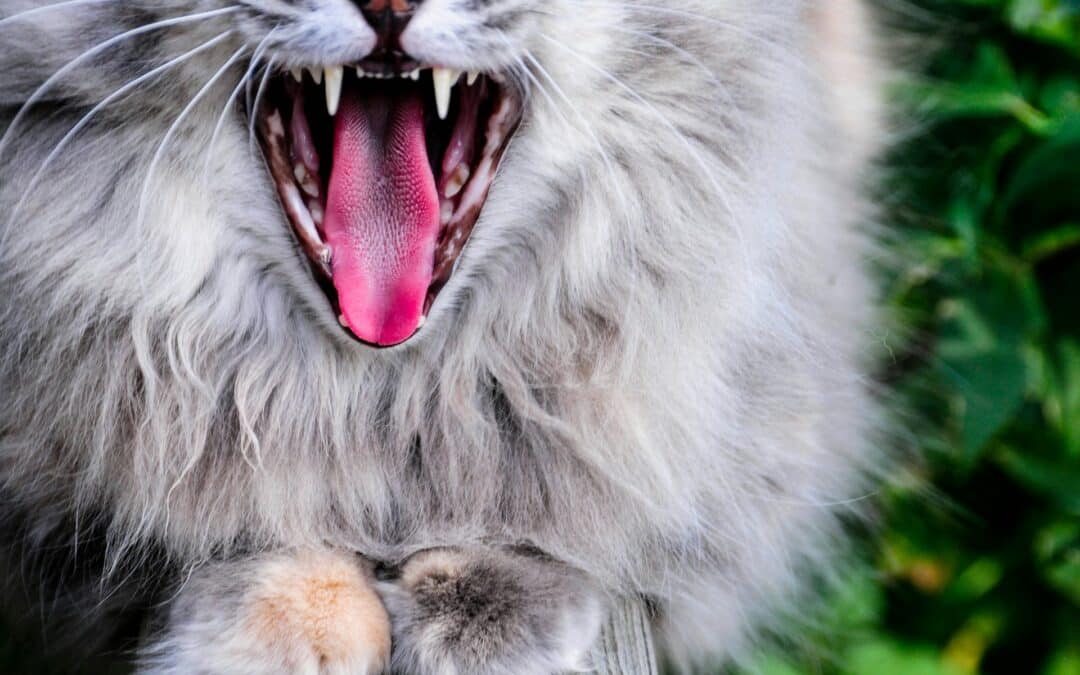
(979,567)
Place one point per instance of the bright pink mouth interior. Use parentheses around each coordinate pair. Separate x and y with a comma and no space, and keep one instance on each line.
(382,215)
(383,194)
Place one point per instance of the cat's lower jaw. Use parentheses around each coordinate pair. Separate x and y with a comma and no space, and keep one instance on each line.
(462,611)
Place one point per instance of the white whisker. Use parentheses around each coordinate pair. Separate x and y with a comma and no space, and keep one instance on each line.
(24,15)
(718,191)
(88,117)
(95,51)
(255,57)
(253,108)
(706,19)
(160,152)
(663,119)
(686,54)
(586,127)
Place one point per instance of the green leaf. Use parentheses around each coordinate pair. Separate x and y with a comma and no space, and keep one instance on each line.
(1048,244)
(992,387)
(884,656)
(1058,550)
(1057,481)
(1062,399)
(985,335)
(1047,179)
(1064,662)
(1054,22)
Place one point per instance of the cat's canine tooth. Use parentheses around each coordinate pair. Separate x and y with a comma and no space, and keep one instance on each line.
(316,74)
(472,77)
(444,79)
(334,76)
(415,75)
(297,74)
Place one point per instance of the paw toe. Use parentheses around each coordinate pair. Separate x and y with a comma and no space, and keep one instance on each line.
(490,611)
(322,607)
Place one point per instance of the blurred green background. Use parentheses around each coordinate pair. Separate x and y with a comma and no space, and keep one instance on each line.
(979,567)
(980,572)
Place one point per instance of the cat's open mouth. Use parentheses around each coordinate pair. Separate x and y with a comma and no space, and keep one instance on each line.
(383,178)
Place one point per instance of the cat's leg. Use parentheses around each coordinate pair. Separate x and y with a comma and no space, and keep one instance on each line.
(485,611)
(283,613)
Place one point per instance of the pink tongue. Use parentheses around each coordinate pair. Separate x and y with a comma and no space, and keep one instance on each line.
(382,215)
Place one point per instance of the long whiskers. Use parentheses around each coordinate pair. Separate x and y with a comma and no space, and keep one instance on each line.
(686,55)
(177,123)
(718,192)
(95,51)
(27,14)
(253,106)
(662,118)
(722,25)
(256,56)
(88,117)
(585,126)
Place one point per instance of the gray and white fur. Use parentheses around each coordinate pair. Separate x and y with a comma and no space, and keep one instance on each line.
(650,368)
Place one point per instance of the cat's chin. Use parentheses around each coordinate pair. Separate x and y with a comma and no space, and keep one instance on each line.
(383,175)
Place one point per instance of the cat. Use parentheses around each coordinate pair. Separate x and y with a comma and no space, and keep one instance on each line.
(408,335)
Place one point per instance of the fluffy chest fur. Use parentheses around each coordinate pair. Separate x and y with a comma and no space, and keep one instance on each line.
(649,362)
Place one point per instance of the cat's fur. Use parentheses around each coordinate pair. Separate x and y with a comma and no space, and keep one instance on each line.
(649,365)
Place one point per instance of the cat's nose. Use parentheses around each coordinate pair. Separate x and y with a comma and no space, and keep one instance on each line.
(389,19)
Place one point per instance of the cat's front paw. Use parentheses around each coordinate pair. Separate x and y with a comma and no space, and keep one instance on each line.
(481,611)
(311,612)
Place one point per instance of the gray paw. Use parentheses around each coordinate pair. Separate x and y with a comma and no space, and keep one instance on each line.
(481,611)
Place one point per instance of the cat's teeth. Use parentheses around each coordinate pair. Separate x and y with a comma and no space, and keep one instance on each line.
(297,74)
(444,79)
(316,74)
(472,77)
(414,75)
(458,178)
(334,76)
(305,180)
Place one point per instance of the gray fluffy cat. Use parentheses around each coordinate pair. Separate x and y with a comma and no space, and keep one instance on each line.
(292,381)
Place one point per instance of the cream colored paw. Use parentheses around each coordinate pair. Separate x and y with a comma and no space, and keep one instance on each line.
(301,613)
(321,608)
